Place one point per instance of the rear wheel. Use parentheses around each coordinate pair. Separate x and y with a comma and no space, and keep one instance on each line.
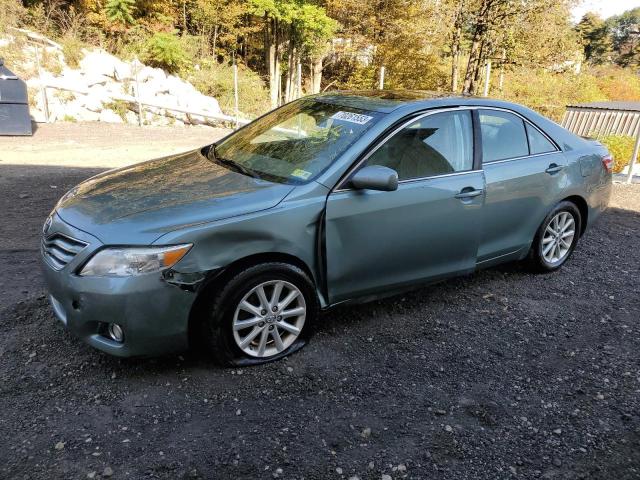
(262,314)
(556,238)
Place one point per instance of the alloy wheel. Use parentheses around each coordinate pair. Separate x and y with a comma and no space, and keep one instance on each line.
(269,318)
(558,237)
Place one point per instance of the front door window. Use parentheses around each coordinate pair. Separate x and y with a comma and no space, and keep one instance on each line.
(434,145)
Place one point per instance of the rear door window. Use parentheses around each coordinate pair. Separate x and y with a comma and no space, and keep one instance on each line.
(503,136)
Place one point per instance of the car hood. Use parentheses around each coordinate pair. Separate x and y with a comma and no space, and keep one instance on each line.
(138,204)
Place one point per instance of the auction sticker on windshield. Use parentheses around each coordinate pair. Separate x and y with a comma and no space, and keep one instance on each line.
(351,117)
(303,174)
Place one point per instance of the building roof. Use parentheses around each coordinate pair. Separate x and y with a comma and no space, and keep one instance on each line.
(628,106)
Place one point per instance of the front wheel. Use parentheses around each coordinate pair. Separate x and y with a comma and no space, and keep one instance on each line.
(556,238)
(262,314)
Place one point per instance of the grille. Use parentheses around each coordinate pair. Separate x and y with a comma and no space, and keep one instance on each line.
(59,249)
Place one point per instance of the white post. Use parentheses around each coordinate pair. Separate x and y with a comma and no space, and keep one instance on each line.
(636,148)
(381,82)
(487,79)
(235,91)
(136,66)
(43,88)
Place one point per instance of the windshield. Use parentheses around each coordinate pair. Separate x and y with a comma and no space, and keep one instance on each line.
(295,143)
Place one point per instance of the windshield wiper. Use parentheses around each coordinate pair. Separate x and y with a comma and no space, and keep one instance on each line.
(234,165)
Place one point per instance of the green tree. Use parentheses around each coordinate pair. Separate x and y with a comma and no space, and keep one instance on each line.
(120,11)
(164,50)
(625,33)
(595,38)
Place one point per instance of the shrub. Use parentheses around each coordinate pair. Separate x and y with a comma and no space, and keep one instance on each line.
(11,14)
(216,80)
(621,147)
(72,50)
(165,51)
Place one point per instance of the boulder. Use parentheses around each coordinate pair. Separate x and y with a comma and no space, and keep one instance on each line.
(109,116)
(99,62)
(150,74)
(131,118)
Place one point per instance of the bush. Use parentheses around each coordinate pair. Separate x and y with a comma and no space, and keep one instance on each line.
(72,50)
(11,14)
(621,147)
(165,51)
(216,80)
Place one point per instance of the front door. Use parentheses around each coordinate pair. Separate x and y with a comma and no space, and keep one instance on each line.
(429,228)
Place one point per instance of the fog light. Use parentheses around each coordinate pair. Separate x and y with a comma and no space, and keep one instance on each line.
(115,332)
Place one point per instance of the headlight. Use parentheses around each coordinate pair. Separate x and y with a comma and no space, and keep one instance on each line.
(125,262)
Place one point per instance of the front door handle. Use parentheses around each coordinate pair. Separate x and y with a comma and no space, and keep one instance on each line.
(469,193)
(554,168)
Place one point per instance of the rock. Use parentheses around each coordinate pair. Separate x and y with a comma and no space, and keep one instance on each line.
(448,428)
(59,446)
(402,467)
(385,477)
(107,472)
(131,118)
(91,475)
(238,412)
(557,431)
(366,433)
(99,62)
(155,76)
(339,471)
(110,116)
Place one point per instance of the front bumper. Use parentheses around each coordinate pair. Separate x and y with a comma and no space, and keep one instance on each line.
(153,314)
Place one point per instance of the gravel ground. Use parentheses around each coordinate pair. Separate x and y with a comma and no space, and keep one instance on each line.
(499,375)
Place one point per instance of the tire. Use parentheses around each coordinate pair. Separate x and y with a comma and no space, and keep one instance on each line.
(549,255)
(223,312)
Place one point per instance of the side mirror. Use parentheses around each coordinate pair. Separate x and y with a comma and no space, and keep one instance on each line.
(375,177)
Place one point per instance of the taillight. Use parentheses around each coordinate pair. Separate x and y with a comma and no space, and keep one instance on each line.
(607,163)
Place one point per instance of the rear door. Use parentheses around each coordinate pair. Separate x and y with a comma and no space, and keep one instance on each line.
(524,173)
(427,229)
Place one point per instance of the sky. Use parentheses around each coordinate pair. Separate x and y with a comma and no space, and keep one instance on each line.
(606,8)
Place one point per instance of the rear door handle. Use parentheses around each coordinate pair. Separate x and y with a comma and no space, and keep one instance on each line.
(465,193)
(553,168)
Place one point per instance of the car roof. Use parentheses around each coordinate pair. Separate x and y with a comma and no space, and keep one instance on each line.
(387,101)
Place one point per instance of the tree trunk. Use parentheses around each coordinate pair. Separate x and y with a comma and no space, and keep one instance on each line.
(271,58)
(502,63)
(316,73)
(215,41)
(478,41)
(455,47)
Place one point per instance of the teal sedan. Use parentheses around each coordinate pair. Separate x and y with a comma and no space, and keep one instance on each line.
(331,199)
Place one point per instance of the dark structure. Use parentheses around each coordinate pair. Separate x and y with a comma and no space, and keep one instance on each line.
(14,104)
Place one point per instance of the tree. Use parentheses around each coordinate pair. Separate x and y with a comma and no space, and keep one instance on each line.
(625,33)
(120,11)
(298,27)
(595,38)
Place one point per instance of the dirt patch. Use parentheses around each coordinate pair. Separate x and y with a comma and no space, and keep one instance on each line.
(502,374)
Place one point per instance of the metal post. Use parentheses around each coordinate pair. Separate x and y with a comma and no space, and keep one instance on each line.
(235,91)
(487,79)
(636,148)
(381,82)
(43,88)
(136,66)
